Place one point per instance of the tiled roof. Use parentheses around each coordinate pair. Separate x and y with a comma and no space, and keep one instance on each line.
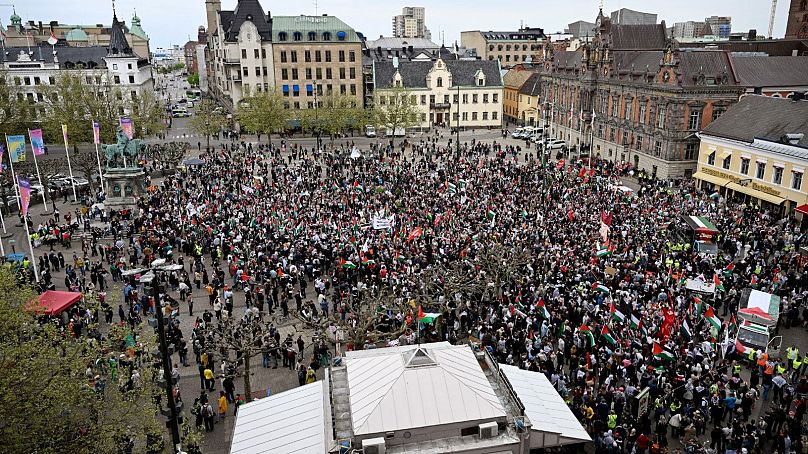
(65,54)
(532,86)
(638,61)
(710,63)
(516,77)
(762,117)
(246,10)
(118,45)
(414,73)
(771,71)
(567,59)
(638,37)
(397,43)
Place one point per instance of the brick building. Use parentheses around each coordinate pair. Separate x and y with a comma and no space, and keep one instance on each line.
(636,97)
(797,25)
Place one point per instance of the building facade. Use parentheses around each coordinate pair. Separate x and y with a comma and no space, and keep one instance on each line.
(28,70)
(241,58)
(464,93)
(32,33)
(530,101)
(509,48)
(636,97)
(513,81)
(411,23)
(316,56)
(797,24)
(758,152)
(720,26)
(625,16)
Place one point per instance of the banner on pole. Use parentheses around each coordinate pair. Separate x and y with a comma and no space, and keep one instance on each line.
(64,134)
(16,148)
(128,127)
(25,195)
(2,150)
(96,133)
(37,142)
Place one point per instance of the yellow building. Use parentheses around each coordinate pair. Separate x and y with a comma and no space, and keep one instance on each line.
(530,101)
(757,152)
(513,81)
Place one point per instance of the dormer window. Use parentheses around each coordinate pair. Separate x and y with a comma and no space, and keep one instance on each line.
(327,36)
(298,36)
(440,81)
(282,36)
(312,36)
(480,82)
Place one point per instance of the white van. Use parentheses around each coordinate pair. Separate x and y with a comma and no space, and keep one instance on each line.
(370,131)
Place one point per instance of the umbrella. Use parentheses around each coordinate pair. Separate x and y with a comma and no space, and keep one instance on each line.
(193,162)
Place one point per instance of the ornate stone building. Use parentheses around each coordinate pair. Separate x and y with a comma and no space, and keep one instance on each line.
(797,25)
(636,97)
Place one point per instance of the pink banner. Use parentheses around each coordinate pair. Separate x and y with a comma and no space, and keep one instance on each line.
(37,143)
(128,127)
(96,133)
(25,195)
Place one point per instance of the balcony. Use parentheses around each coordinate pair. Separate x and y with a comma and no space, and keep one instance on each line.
(231,61)
(439,105)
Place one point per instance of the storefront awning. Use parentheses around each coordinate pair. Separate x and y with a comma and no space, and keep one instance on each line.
(709,178)
(756,194)
(802,209)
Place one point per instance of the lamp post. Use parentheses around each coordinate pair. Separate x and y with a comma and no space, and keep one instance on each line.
(147,279)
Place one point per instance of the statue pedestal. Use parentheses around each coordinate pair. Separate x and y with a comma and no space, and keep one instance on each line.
(123,187)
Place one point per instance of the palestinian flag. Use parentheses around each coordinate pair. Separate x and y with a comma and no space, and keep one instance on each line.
(718,284)
(605,334)
(685,328)
(603,252)
(348,265)
(616,314)
(733,325)
(491,214)
(463,184)
(543,309)
(739,347)
(661,353)
(452,187)
(600,287)
(699,305)
(523,214)
(635,322)
(563,328)
(426,317)
(712,318)
(730,267)
(585,329)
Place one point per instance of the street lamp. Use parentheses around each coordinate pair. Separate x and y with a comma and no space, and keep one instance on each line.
(146,279)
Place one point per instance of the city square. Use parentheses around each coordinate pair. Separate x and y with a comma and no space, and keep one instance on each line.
(284,236)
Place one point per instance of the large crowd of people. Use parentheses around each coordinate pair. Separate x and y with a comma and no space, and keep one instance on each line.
(592,289)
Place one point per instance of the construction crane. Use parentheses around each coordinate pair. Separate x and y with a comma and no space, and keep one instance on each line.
(771,19)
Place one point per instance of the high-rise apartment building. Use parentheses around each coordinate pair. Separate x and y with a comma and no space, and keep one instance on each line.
(411,23)
(625,16)
(720,26)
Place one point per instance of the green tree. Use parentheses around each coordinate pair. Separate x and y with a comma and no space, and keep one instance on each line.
(395,109)
(207,120)
(193,80)
(262,113)
(48,404)
(66,104)
(147,113)
(15,113)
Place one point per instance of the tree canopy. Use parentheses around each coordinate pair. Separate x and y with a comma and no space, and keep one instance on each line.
(262,112)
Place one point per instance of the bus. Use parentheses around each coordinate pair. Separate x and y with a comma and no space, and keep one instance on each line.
(180,112)
(193,94)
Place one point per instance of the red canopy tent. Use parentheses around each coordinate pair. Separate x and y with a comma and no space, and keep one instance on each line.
(802,209)
(54,302)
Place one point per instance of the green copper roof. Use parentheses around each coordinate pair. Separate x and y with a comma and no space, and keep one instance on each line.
(136,29)
(77,34)
(339,30)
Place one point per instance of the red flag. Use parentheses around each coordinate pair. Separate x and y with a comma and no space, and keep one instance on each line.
(571,215)
(591,171)
(582,172)
(560,165)
(420,312)
(415,233)
(657,349)
(606,218)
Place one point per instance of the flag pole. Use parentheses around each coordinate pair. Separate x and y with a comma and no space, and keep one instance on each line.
(69,167)
(38,175)
(30,244)
(98,156)
(13,175)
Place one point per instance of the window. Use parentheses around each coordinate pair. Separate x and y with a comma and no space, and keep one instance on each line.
(761,170)
(28,80)
(353,90)
(307,56)
(263,53)
(342,73)
(440,82)
(294,73)
(485,115)
(265,71)
(312,36)
(658,147)
(432,99)
(131,79)
(456,99)
(796,180)
(295,90)
(475,98)
(694,122)
(297,36)
(243,54)
(727,162)
(327,36)
(255,52)
(309,90)
(115,66)
(423,100)
(342,89)
(639,142)
(293,56)
(745,166)
(643,108)
(284,74)
(283,56)
(352,72)
(493,115)
(711,159)
(661,117)
(319,72)
(628,109)
(328,73)
(258,71)
(485,98)
(455,116)
(117,79)
(282,36)
(474,116)
(717,111)
(129,66)
(342,56)
(465,116)
(351,56)
(308,73)
(52,80)
(691,151)
(465,98)
(318,56)
(777,175)
(328,56)
(495,98)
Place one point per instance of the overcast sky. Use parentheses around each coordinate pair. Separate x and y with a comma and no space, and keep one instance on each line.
(172,21)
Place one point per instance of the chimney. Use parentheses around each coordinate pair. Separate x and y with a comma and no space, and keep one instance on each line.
(792,139)
(752,35)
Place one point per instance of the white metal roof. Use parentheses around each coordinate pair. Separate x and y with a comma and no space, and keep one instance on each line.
(389,391)
(544,406)
(289,422)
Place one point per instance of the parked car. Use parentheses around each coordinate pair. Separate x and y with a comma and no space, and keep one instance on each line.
(553,144)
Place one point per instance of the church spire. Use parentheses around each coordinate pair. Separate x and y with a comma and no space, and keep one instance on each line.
(118,46)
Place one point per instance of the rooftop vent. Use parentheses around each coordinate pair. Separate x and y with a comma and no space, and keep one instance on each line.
(419,357)
(793,139)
